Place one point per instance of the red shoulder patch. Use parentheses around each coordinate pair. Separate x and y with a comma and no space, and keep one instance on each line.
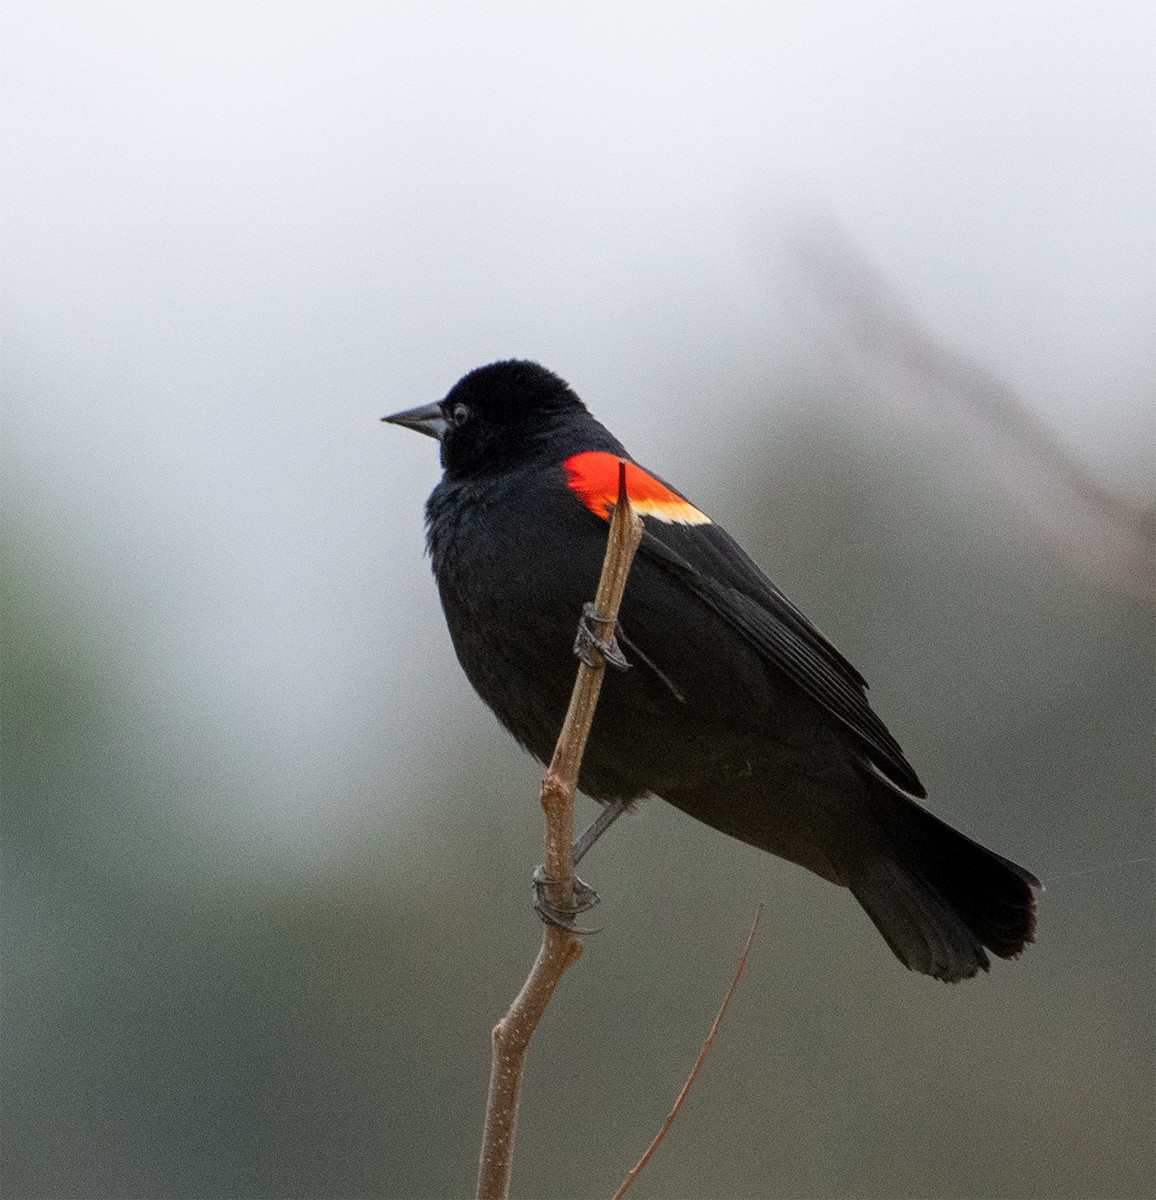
(593,476)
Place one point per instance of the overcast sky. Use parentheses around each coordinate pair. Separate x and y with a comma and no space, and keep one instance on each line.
(236,234)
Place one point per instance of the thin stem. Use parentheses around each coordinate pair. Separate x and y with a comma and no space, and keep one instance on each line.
(703,1052)
(560,947)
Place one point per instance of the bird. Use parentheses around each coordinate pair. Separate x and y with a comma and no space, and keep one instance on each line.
(728,702)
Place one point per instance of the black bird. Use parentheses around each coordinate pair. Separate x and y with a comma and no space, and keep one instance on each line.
(735,708)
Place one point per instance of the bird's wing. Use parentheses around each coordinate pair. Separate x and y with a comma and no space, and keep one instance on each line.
(712,565)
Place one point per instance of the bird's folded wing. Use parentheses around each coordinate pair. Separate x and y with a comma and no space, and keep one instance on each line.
(712,565)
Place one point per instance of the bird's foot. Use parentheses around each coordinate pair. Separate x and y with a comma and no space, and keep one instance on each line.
(588,641)
(584,899)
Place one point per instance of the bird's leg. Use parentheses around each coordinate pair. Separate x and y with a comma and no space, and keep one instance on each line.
(609,814)
(585,897)
(588,641)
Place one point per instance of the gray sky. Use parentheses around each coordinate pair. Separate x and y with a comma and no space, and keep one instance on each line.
(238,233)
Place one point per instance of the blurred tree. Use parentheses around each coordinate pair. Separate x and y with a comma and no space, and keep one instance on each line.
(177,1029)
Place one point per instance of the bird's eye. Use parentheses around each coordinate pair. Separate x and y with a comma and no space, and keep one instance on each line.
(460,415)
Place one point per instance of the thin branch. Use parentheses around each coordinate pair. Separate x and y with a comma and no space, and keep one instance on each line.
(560,948)
(637,1168)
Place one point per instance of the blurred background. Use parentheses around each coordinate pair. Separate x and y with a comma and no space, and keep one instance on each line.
(873,281)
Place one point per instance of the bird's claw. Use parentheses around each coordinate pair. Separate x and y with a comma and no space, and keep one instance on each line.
(584,899)
(588,641)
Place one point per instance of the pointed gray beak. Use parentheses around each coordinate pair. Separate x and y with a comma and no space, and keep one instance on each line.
(429,419)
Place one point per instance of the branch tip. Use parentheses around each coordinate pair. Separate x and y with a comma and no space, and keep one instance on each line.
(636,1170)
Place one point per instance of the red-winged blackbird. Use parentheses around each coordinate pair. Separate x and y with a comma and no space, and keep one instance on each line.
(734,708)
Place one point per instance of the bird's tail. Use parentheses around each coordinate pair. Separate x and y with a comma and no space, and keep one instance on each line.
(939,899)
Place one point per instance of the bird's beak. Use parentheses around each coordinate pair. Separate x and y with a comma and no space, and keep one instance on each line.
(429,419)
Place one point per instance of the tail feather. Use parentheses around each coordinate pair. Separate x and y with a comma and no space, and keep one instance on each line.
(939,899)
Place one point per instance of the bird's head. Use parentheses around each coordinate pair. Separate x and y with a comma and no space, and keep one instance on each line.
(502,415)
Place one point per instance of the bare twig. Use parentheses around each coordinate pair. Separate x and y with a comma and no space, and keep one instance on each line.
(682,1095)
(560,947)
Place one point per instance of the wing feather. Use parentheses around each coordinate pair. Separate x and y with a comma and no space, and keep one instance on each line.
(711,564)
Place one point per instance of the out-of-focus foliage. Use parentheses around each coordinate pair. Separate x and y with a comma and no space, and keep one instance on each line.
(175,1028)
(266,860)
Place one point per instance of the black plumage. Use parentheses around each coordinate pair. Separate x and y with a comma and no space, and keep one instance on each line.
(735,709)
